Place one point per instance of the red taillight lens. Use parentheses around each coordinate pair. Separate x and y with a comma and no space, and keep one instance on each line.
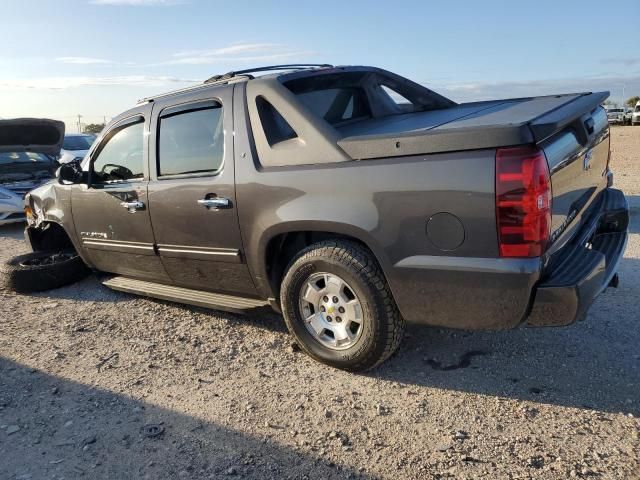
(523,201)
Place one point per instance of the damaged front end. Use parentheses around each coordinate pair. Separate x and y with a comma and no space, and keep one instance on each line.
(49,223)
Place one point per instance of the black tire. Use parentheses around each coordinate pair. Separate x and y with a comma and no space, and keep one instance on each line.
(382,326)
(39,271)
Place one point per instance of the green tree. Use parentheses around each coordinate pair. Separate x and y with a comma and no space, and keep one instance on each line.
(631,102)
(93,128)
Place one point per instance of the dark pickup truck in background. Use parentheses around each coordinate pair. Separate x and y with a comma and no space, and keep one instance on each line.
(28,151)
(349,198)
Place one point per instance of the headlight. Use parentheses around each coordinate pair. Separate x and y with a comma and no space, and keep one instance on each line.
(29,214)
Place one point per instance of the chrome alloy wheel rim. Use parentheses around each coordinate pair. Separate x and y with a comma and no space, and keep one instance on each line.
(331,311)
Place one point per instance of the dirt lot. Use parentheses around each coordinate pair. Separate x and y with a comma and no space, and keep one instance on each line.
(98,384)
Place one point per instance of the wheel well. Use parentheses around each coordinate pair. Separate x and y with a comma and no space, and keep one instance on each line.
(49,236)
(283,247)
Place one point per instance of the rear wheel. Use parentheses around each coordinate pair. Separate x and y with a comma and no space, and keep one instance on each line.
(39,271)
(338,306)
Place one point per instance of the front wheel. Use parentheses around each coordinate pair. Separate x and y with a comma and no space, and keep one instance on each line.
(338,306)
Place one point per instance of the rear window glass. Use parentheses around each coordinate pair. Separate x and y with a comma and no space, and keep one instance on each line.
(191,142)
(345,97)
(337,105)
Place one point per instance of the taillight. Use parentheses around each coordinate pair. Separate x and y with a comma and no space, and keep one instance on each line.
(523,201)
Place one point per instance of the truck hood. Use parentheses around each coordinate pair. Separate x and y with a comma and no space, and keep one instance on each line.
(31,135)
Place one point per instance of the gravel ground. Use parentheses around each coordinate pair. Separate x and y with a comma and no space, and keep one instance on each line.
(98,384)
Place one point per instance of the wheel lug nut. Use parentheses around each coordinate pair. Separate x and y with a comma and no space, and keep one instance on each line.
(328,318)
(338,319)
(322,309)
(325,298)
(341,309)
(335,300)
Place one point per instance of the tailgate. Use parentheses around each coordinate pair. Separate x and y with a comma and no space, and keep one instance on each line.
(578,160)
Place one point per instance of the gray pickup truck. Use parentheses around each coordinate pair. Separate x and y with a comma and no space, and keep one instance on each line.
(350,199)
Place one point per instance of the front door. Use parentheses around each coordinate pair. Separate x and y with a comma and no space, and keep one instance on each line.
(111,213)
(192,197)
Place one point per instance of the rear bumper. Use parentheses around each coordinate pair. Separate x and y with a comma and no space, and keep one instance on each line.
(583,269)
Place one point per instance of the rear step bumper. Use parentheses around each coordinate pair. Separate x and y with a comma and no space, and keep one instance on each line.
(569,285)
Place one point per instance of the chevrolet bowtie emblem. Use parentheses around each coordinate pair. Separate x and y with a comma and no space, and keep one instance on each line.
(330,309)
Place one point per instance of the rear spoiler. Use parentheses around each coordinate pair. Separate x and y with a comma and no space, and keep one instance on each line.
(36,135)
(565,115)
(519,121)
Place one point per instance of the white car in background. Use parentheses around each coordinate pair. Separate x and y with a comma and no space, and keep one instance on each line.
(615,115)
(75,146)
(635,116)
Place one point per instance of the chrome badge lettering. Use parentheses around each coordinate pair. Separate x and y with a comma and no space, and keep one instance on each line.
(556,233)
(586,163)
(93,235)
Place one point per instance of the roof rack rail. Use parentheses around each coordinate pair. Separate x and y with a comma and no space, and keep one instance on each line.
(235,76)
(247,72)
(192,87)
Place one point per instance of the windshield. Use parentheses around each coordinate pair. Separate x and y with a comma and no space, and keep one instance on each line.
(637,108)
(77,143)
(22,157)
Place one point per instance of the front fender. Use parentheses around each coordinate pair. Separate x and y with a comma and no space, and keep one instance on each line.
(51,204)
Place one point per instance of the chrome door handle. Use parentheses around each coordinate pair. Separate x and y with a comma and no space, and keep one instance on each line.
(215,203)
(133,207)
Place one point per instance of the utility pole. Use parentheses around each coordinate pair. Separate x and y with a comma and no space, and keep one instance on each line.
(79,124)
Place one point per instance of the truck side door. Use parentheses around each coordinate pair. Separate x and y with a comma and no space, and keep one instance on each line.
(111,213)
(192,196)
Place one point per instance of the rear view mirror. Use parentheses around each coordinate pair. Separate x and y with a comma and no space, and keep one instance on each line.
(70,173)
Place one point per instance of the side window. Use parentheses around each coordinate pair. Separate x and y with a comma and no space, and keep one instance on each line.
(275,127)
(190,142)
(121,158)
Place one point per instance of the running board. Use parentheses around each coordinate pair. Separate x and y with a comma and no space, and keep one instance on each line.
(198,298)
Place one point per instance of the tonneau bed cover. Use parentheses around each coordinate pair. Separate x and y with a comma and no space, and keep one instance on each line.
(468,126)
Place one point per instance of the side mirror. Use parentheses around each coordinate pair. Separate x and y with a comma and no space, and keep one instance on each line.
(70,173)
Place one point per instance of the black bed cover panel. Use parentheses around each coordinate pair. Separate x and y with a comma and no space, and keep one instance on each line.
(467,126)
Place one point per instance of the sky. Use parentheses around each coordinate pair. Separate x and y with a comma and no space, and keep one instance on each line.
(96,58)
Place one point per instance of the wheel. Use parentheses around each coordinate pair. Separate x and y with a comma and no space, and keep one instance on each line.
(338,306)
(38,271)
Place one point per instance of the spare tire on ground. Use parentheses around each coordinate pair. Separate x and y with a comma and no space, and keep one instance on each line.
(38,271)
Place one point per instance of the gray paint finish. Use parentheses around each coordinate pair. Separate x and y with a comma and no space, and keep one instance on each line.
(426,212)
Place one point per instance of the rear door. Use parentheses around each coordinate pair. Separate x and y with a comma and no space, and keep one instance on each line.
(111,213)
(192,196)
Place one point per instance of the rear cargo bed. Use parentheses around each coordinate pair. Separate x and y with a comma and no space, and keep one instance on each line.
(468,126)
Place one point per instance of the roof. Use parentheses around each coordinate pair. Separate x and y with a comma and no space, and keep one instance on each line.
(241,76)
